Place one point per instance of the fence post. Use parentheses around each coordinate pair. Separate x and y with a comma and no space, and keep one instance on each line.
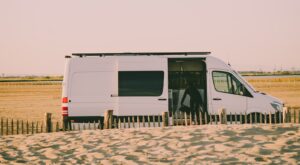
(270,118)
(143,121)
(133,122)
(2,133)
(205,118)
(176,118)
(119,123)
(99,124)
(6,126)
(32,127)
(211,118)
(196,119)
(22,126)
(48,121)
(295,116)
(37,127)
(89,125)
(149,121)
(173,119)
(241,118)
(279,117)
(266,118)
(165,119)
(108,119)
(191,119)
(235,117)
(222,115)
(27,127)
(275,118)
(255,118)
(18,127)
(185,119)
(299,116)
(128,122)
(138,121)
(284,114)
(260,118)
(12,126)
(216,118)
(153,122)
(158,122)
(84,128)
(57,126)
(200,118)
(115,123)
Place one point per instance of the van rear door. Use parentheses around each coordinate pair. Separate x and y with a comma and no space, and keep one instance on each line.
(142,85)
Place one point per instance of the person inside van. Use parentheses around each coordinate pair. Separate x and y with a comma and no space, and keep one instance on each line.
(195,98)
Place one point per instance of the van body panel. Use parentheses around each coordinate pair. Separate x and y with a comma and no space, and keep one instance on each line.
(95,84)
(91,81)
(143,105)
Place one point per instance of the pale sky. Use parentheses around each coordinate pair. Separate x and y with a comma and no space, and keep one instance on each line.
(250,34)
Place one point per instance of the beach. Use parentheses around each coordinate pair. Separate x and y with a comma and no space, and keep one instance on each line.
(206,144)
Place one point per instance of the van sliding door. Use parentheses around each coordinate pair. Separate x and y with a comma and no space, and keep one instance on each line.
(142,86)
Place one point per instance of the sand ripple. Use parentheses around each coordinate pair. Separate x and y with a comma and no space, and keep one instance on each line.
(233,144)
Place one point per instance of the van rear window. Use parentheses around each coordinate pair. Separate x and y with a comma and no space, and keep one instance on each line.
(141,83)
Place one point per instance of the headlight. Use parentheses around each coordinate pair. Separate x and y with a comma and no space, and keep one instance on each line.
(277,106)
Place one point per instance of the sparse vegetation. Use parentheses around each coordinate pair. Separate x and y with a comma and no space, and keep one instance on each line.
(262,73)
(31,78)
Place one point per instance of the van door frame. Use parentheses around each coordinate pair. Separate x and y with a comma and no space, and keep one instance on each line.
(205,73)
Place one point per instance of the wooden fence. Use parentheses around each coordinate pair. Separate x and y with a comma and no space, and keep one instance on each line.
(109,121)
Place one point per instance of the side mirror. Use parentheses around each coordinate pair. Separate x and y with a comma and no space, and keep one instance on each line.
(242,92)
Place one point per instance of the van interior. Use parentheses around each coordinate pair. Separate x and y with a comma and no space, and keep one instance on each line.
(187,85)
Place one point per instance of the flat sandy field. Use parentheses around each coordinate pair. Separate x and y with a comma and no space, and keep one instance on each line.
(30,100)
(209,144)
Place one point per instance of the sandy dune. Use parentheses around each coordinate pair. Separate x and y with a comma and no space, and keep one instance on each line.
(217,144)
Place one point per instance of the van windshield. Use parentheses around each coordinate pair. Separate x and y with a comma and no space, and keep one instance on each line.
(244,81)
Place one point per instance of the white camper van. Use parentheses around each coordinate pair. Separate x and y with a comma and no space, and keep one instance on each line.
(149,83)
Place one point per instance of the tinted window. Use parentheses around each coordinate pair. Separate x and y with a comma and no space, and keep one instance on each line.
(141,83)
(227,83)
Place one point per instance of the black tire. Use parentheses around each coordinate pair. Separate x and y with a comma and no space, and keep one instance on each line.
(252,118)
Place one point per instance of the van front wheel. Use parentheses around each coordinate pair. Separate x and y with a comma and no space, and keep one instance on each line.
(254,118)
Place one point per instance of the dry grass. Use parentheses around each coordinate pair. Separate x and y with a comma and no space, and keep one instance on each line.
(30,100)
(286,89)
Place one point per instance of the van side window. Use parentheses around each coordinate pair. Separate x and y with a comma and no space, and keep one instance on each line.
(227,83)
(221,82)
(141,83)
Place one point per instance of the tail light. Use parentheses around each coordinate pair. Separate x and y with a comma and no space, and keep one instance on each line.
(65,108)
(65,100)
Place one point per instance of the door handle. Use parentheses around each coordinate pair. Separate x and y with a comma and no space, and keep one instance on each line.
(217,99)
(162,99)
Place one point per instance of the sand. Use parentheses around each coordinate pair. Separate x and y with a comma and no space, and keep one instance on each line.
(210,144)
